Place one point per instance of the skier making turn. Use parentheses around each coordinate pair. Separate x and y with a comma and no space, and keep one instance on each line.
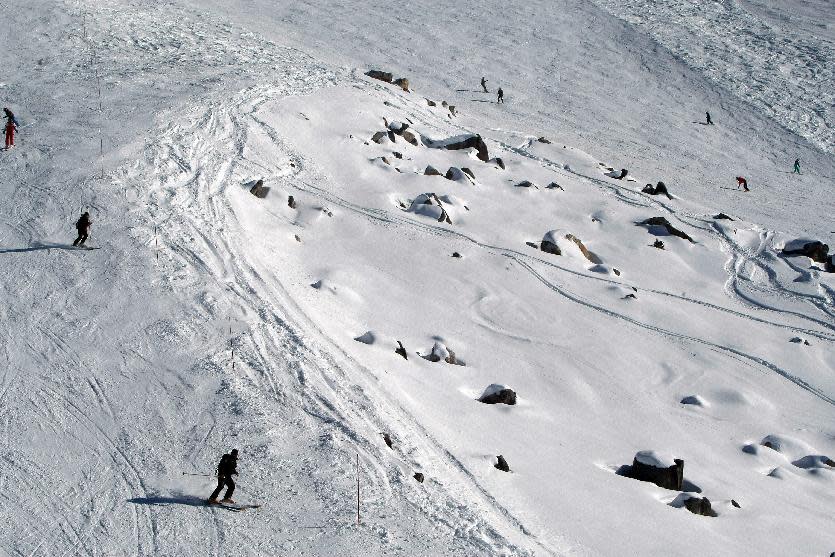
(10,127)
(742,183)
(225,470)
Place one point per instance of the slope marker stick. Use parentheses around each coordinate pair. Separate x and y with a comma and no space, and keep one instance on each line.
(358,489)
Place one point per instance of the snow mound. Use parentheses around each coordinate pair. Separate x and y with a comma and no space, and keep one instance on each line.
(655,459)
(694,400)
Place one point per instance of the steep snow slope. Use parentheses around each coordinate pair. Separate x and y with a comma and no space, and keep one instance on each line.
(119,375)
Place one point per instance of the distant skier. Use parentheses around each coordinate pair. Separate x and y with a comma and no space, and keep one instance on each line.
(10,128)
(484,85)
(797,166)
(500,96)
(742,183)
(83,226)
(225,470)
(709,121)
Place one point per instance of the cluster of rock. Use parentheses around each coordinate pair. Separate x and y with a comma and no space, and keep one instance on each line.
(665,225)
(552,242)
(659,189)
(813,249)
(393,131)
(449,107)
(401,82)
(429,204)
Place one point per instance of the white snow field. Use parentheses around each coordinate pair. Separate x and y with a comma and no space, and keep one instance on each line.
(212,319)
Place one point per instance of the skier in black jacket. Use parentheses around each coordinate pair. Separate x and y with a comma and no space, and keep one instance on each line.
(225,470)
(83,226)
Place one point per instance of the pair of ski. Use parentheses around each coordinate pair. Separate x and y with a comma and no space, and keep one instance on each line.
(237,507)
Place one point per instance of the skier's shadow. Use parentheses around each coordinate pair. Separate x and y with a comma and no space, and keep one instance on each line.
(158,500)
(38,247)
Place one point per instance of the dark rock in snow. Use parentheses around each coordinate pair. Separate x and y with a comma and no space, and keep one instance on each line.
(379,137)
(468,172)
(457,174)
(291,202)
(431,171)
(658,244)
(468,142)
(387,440)
(735,504)
(431,103)
(722,216)
(259,190)
(660,189)
(543,140)
(550,247)
(700,506)
(498,162)
(401,350)
(554,186)
(695,400)
(403,83)
(377,74)
(409,137)
(498,394)
(367,337)
(665,224)
(456,255)
(816,251)
(648,467)
(418,476)
(526,184)
(502,464)
(397,155)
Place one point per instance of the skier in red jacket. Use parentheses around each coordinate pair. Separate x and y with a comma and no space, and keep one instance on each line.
(10,128)
(742,183)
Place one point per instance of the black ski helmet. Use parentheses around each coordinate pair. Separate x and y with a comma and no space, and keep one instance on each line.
(234,453)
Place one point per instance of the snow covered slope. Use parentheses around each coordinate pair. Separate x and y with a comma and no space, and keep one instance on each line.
(212,319)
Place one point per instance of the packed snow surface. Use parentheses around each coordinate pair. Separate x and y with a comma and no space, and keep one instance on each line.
(303,332)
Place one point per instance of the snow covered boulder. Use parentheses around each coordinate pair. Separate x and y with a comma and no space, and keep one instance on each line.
(382,137)
(662,470)
(442,208)
(498,394)
(457,143)
(367,337)
(696,505)
(559,242)
(259,190)
(660,189)
(617,174)
(526,184)
(458,175)
(660,225)
(441,353)
(814,461)
(813,249)
(377,74)
(694,400)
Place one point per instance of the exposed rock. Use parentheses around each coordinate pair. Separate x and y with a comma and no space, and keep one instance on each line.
(554,186)
(722,216)
(543,140)
(660,189)
(377,74)
(735,504)
(441,352)
(829,266)
(586,253)
(456,255)
(403,83)
(431,103)
(259,190)
(694,400)
(418,476)
(526,184)
(498,162)
(298,239)
(401,350)
(816,251)
(291,202)
(367,337)
(451,109)
(379,137)
(658,244)
(498,394)
(617,174)
(397,155)
(397,127)
(501,464)
(431,171)
(392,136)
(700,506)
(648,466)
(463,142)
(456,174)
(409,137)
(665,224)
(550,247)
(468,172)
(387,440)
(798,340)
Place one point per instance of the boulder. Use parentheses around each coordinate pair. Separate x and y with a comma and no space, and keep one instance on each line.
(498,162)
(586,253)
(398,127)
(526,184)
(813,249)
(829,266)
(617,174)
(431,171)
(418,476)
(401,350)
(409,137)
(397,154)
(377,74)
(694,400)
(291,202)
(367,337)
(456,174)
(456,255)
(665,224)
(468,172)
(469,141)
(649,466)
(498,394)
(550,247)
(441,352)
(403,83)
(387,440)
(501,464)
(554,186)
(660,189)
(543,140)
(379,137)
(431,103)
(259,190)
(722,216)
(700,506)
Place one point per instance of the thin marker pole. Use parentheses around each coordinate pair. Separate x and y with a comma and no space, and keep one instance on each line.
(358,489)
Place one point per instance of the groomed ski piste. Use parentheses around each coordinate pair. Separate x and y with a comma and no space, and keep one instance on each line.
(210,319)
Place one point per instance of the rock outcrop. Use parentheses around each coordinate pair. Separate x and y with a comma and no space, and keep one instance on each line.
(498,394)
(666,226)
(469,141)
(259,190)
(813,249)
(501,464)
(659,189)
(377,74)
(649,466)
